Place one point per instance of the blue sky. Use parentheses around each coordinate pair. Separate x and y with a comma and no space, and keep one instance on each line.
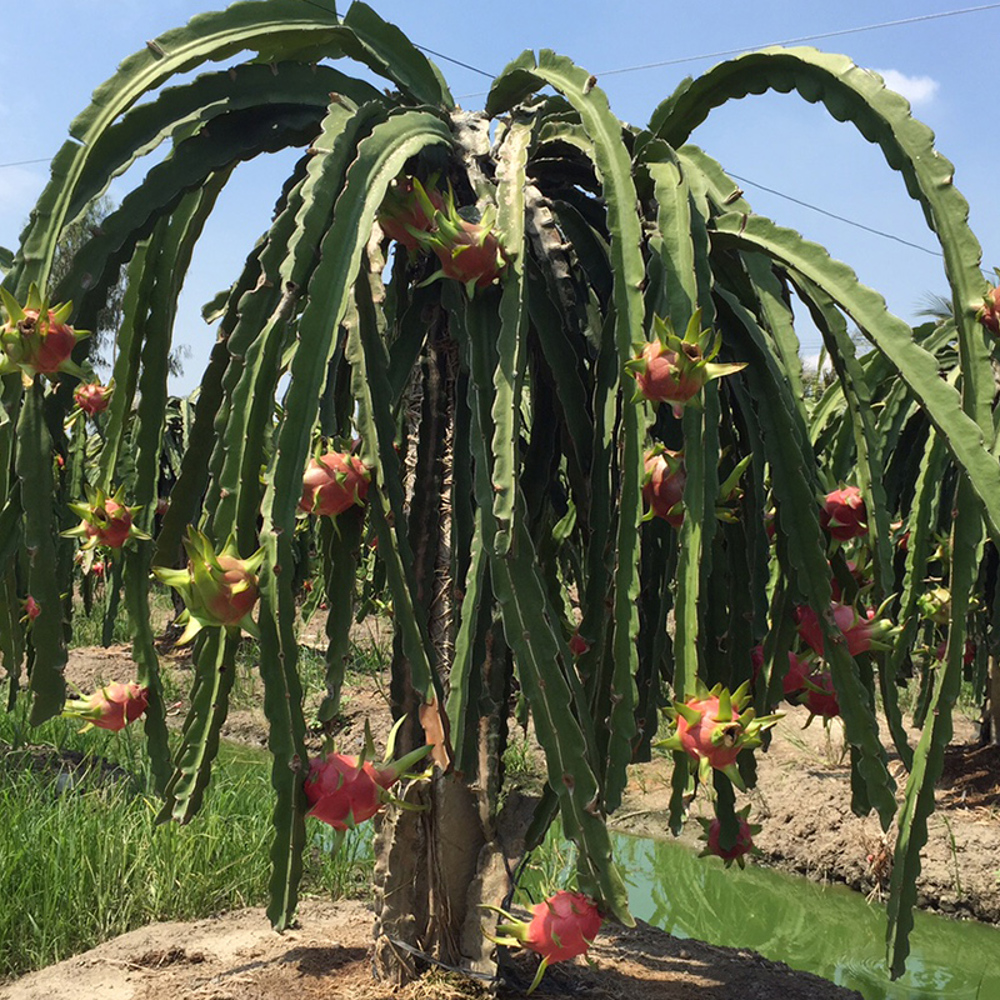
(945,66)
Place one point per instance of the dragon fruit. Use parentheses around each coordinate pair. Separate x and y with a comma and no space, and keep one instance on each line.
(404,210)
(218,589)
(37,339)
(333,483)
(989,311)
(92,398)
(469,251)
(663,487)
(968,655)
(32,609)
(112,707)
(844,514)
(104,520)
(344,791)
(861,631)
(712,730)
(561,927)
(811,684)
(672,369)
(743,845)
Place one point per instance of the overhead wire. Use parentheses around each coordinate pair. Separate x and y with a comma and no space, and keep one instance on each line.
(898,22)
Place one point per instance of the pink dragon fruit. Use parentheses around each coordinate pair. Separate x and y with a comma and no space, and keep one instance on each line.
(712,833)
(968,656)
(561,927)
(862,632)
(112,707)
(711,729)
(218,589)
(333,483)
(32,609)
(469,252)
(344,790)
(92,398)
(104,521)
(811,684)
(672,369)
(36,339)
(663,488)
(577,644)
(403,210)
(989,311)
(844,514)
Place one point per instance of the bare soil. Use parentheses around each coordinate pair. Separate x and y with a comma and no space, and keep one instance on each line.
(801,801)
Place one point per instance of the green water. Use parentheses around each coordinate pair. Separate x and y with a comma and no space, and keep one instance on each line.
(828,930)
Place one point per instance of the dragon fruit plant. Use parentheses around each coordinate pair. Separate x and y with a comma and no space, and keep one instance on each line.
(503,412)
(219,589)
(674,369)
(738,850)
(712,727)
(561,927)
(112,707)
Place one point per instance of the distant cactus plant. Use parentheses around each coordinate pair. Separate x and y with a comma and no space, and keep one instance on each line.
(498,424)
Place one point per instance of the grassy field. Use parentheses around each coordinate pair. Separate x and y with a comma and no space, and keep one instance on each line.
(82,859)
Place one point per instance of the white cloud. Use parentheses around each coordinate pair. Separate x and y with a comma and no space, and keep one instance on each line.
(916,89)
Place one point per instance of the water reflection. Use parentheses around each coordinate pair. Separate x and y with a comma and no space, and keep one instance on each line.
(828,930)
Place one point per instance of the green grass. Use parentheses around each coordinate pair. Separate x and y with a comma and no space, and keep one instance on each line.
(83,861)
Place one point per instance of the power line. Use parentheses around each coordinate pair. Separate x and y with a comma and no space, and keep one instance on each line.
(807,38)
(788,41)
(24,163)
(833,215)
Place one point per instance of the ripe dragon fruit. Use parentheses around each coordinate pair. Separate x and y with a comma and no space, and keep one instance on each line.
(112,707)
(469,251)
(577,644)
(739,849)
(672,369)
(711,729)
(344,790)
(403,210)
(104,520)
(333,483)
(663,486)
(844,514)
(92,398)
(968,655)
(32,609)
(218,589)
(811,684)
(36,339)
(561,927)
(989,311)
(862,632)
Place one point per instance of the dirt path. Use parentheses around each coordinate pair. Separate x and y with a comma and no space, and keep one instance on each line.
(801,800)
(236,957)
